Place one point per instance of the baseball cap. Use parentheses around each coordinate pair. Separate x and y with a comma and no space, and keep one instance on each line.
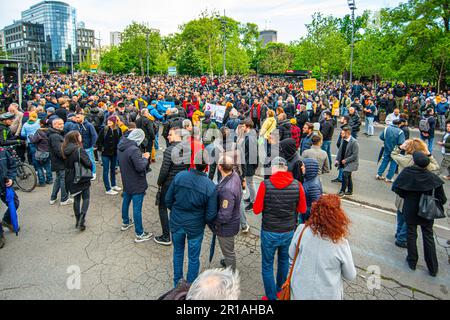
(279,162)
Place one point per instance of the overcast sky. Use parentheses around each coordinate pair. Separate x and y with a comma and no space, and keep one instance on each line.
(288,17)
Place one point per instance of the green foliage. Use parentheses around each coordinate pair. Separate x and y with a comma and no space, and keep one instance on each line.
(63,70)
(189,62)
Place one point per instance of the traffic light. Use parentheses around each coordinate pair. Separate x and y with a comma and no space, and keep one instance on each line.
(11,74)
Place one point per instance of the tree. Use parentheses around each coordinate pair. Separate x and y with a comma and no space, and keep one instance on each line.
(275,58)
(189,62)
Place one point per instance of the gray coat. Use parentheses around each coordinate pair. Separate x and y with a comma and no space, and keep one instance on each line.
(351,155)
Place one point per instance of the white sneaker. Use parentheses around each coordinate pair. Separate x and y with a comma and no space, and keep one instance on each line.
(66,203)
(52,202)
(116,188)
(94,177)
(111,193)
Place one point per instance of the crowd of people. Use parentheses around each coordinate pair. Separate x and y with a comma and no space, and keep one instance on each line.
(271,127)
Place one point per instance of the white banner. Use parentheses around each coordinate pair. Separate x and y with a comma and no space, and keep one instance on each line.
(217,112)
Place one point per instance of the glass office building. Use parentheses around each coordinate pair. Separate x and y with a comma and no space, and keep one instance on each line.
(59,20)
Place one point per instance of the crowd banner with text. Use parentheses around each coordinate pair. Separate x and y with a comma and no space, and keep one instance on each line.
(217,112)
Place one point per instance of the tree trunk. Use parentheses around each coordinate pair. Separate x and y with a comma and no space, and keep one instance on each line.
(441,78)
(141,62)
(210,62)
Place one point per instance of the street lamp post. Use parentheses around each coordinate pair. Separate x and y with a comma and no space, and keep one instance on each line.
(352,6)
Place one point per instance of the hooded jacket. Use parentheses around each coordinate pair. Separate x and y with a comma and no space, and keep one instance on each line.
(285,129)
(73,153)
(89,134)
(108,141)
(411,183)
(40,139)
(133,167)
(280,199)
(312,185)
(289,152)
(55,140)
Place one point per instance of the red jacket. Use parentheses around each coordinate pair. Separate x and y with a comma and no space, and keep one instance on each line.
(196,146)
(280,180)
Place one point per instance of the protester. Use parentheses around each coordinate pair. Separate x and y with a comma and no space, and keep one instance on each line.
(354,122)
(392,137)
(288,150)
(306,143)
(227,223)
(327,131)
(55,141)
(250,162)
(133,168)
(89,136)
(445,150)
(73,152)
(107,144)
(427,126)
(42,155)
(169,169)
(280,199)
(370,112)
(324,257)
(192,199)
(318,154)
(392,117)
(348,160)
(411,184)
(8,173)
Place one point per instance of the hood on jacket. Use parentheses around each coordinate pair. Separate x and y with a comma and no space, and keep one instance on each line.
(288,149)
(125,144)
(71,148)
(281,179)
(286,124)
(417,179)
(138,136)
(312,169)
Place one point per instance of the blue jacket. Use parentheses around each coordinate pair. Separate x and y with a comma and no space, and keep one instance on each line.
(192,199)
(155,113)
(89,134)
(312,185)
(394,137)
(8,168)
(442,108)
(228,219)
(30,129)
(71,126)
(51,105)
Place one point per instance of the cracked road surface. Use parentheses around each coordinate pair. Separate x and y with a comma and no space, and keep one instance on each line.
(35,264)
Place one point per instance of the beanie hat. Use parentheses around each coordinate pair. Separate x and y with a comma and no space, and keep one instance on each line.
(51,110)
(421,160)
(294,121)
(138,136)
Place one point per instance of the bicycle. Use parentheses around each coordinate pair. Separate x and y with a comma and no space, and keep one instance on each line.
(26,179)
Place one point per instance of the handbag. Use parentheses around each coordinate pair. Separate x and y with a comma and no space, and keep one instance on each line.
(158,197)
(285,293)
(41,155)
(82,174)
(430,208)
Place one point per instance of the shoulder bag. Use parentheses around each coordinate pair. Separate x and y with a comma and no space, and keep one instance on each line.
(285,293)
(82,174)
(430,208)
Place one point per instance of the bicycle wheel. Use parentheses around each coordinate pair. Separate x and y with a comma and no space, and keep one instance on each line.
(26,178)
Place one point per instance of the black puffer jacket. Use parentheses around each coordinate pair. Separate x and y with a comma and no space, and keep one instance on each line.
(55,141)
(71,157)
(169,169)
(355,122)
(108,141)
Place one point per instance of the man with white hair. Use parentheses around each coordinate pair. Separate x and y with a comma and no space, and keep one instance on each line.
(216,284)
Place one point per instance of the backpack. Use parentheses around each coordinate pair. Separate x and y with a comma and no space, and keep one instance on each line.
(424,125)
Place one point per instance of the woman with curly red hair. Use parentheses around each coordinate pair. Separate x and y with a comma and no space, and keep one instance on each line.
(324,257)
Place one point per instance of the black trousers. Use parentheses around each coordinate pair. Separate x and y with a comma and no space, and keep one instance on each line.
(347,182)
(429,246)
(163,213)
(79,209)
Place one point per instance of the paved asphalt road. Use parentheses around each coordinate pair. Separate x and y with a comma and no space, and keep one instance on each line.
(39,263)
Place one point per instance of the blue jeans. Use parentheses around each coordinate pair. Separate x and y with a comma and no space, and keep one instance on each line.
(384,164)
(370,129)
(429,141)
(340,174)
(194,250)
(271,243)
(32,149)
(326,146)
(90,153)
(109,170)
(157,141)
(46,176)
(138,200)
(402,228)
(60,184)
